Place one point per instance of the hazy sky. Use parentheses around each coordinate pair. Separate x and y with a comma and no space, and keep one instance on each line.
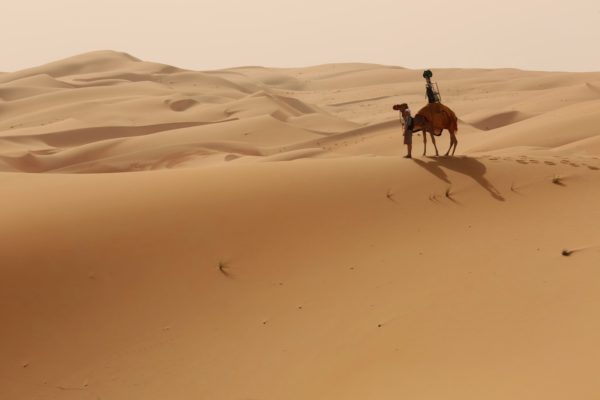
(206,34)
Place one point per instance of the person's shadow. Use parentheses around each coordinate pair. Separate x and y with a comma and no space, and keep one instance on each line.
(464,165)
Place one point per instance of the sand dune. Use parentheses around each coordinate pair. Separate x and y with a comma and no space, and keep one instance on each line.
(581,121)
(253,233)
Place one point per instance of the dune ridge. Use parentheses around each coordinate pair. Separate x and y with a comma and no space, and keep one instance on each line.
(91,92)
(254,233)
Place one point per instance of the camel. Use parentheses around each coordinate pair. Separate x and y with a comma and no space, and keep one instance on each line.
(434,118)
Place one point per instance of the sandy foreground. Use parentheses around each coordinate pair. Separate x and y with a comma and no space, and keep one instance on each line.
(254,233)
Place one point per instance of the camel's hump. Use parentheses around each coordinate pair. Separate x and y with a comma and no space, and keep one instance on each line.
(441,116)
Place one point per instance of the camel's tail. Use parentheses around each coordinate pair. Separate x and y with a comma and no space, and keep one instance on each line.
(453,121)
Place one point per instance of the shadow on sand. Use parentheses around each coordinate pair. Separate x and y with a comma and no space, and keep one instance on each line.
(464,165)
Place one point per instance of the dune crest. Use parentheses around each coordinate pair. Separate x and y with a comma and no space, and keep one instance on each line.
(254,233)
(94,91)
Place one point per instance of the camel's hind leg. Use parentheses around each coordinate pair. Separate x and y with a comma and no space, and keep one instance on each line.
(424,141)
(453,143)
(434,145)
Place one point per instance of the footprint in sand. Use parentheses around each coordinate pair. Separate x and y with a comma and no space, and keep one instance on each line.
(549,163)
(593,168)
(534,161)
(565,161)
(494,158)
(522,161)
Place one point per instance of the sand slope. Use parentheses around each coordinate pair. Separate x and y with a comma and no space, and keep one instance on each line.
(264,240)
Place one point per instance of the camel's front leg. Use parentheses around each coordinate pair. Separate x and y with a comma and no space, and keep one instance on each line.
(434,145)
(424,142)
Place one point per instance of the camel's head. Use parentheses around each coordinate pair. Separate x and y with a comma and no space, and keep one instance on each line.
(400,107)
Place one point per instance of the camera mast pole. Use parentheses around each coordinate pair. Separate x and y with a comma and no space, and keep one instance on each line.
(433,94)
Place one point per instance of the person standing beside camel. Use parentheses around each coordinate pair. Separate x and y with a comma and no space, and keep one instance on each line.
(408,128)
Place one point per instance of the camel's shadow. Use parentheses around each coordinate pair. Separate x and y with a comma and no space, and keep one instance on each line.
(464,165)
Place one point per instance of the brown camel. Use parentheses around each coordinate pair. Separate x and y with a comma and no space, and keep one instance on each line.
(434,118)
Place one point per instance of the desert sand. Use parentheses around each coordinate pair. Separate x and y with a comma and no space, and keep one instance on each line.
(254,233)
